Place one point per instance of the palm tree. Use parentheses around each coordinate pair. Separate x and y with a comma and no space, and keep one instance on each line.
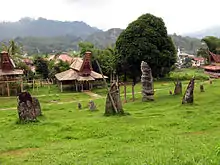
(14,50)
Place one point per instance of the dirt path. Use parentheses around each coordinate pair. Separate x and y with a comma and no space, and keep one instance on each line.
(93,95)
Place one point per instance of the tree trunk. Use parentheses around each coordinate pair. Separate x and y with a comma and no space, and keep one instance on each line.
(188,97)
(147,83)
(109,108)
(133,92)
(178,88)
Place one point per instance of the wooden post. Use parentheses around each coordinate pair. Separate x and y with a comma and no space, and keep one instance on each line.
(110,96)
(61,86)
(125,93)
(91,86)
(76,86)
(132,92)
(22,88)
(82,87)
(33,84)
(8,89)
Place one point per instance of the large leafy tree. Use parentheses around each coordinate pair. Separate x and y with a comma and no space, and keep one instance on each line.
(213,43)
(42,67)
(145,39)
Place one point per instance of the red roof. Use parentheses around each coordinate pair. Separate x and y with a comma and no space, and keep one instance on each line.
(27,61)
(215,57)
(199,59)
(63,57)
(212,67)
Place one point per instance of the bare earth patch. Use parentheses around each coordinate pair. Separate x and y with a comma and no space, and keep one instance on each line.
(18,152)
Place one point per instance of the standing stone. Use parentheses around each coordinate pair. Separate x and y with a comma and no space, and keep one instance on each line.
(188,97)
(79,106)
(109,108)
(26,110)
(178,88)
(147,82)
(92,106)
(202,88)
(37,106)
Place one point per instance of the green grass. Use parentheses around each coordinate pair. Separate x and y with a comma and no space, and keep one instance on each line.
(188,73)
(162,132)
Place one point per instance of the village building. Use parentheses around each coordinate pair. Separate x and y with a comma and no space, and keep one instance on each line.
(214,68)
(11,82)
(30,64)
(63,57)
(198,61)
(80,76)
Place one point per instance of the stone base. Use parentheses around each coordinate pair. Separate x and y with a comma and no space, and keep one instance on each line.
(148,98)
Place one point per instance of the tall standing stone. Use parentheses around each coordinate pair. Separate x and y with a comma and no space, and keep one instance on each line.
(109,107)
(178,88)
(28,108)
(37,106)
(147,82)
(188,96)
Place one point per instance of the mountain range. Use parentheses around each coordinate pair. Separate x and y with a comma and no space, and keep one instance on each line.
(44,36)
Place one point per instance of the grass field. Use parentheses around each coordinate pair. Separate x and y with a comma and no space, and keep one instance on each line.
(162,132)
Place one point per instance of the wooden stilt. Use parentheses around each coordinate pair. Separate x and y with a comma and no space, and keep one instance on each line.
(132,92)
(82,87)
(76,83)
(8,89)
(33,84)
(61,86)
(22,87)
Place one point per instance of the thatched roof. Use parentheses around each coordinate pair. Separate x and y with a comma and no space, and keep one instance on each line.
(12,72)
(77,63)
(79,68)
(74,75)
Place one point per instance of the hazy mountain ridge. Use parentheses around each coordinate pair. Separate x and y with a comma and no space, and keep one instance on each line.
(212,31)
(45,36)
(41,27)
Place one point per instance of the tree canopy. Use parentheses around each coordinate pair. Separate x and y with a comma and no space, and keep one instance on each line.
(145,39)
(213,43)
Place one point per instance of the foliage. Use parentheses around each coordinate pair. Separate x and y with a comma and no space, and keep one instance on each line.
(42,67)
(12,47)
(58,67)
(146,40)
(85,46)
(213,44)
(187,74)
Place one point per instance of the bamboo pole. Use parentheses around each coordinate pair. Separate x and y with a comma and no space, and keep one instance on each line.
(110,96)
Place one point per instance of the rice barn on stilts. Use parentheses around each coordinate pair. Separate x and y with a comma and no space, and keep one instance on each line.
(80,76)
(11,79)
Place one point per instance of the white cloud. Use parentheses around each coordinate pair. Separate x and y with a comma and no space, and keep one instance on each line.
(179,15)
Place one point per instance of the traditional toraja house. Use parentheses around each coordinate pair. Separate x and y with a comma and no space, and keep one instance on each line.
(80,76)
(10,78)
(214,68)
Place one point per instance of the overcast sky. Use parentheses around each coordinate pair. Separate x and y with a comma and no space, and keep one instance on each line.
(180,16)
